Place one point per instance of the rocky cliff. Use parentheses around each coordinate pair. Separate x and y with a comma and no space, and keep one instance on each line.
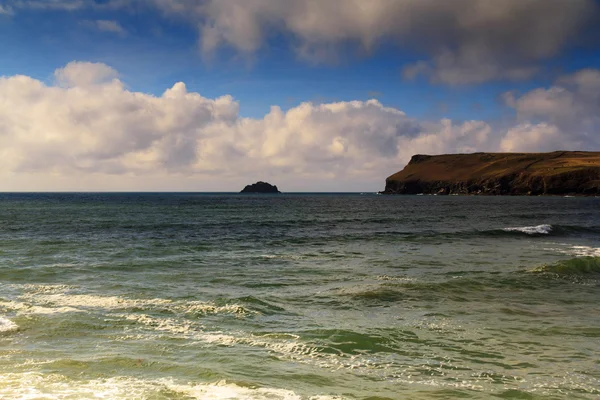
(260,187)
(557,173)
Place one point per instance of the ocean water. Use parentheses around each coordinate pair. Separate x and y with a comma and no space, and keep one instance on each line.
(299,296)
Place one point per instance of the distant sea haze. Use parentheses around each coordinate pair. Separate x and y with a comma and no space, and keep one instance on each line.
(298,296)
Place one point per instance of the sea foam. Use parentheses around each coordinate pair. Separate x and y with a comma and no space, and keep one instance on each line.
(544,229)
(6,325)
(44,303)
(584,251)
(35,385)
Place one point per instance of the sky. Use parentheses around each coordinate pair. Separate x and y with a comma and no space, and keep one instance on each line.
(310,95)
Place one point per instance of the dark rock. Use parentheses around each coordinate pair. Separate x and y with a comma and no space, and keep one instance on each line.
(260,187)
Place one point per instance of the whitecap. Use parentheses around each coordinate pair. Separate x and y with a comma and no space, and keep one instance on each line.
(228,391)
(46,289)
(583,251)
(32,385)
(26,309)
(394,278)
(44,303)
(6,325)
(544,229)
(171,326)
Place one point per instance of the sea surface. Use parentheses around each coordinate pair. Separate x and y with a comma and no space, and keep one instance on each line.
(298,296)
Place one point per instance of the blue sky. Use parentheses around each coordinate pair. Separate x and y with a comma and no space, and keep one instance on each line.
(470,65)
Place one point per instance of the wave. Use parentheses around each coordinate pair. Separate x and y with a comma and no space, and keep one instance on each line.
(36,385)
(47,301)
(573,266)
(330,349)
(6,325)
(544,229)
(583,251)
(408,234)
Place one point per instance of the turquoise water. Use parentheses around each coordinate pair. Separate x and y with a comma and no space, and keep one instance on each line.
(220,296)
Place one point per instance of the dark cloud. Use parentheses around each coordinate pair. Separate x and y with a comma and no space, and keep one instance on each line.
(462,41)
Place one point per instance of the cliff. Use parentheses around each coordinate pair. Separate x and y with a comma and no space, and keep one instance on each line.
(557,173)
(260,187)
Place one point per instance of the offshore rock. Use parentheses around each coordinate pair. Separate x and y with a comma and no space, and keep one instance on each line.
(260,187)
(556,173)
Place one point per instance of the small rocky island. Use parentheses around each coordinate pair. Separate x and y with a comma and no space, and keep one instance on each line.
(260,187)
(556,173)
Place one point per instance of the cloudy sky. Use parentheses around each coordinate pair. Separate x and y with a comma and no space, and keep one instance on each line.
(311,95)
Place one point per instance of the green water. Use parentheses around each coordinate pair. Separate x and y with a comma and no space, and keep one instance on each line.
(199,296)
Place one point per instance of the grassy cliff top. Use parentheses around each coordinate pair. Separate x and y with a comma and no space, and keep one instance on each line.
(479,166)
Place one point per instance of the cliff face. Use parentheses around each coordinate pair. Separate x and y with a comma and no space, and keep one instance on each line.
(557,173)
(260,187)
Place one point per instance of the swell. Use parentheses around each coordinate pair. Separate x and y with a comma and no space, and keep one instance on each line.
(542,230)
(477,288)
(578,266)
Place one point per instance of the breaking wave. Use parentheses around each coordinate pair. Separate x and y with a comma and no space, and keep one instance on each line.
(583,251)
(6,325)
(544,229)
(35,385)
(37,302)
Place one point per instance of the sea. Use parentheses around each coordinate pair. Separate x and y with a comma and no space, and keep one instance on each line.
(298,296)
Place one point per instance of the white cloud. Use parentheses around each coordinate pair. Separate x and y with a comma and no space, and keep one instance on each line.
(88,132)
(535,138)
(106,26)
(91,126)
(85,74)
(569,110)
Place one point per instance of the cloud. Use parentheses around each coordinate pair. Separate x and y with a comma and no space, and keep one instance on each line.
(89,127)
(106,26)
(84,74)
(73,5)
(458,42)
(568,110)
(67,5)
(6,10)
(89,124)
(463,41)
(477,66)
(535,138)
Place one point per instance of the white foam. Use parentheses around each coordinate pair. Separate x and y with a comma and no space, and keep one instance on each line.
(42,302)
(6,325)
(36,288)
(394,278)
(32,385)
(26,309)
(170,325)
(583,251)
(289,346)
(544,229)
(223,390)
(283,256)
